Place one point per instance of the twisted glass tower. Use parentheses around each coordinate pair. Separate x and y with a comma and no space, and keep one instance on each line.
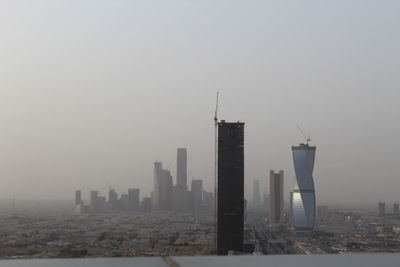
(303,206)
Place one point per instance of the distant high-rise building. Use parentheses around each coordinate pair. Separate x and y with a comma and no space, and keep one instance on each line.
(94,201)
(265,203)
(78,197)
(162,194)
(124,202)
(155,196)
(133,199)
(101,204)
(230,187)
(382,209)
(396,210)
(208,201)
(291,209)
(197,195)
(181,168)
(165,193)
(276,197)
(180,191)
(256,194)
(113,200)
(176,199)
(304,193)
(146,204)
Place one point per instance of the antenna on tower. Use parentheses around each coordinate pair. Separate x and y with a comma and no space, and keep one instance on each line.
(215,171)
(216,111)
(13,205)
(308,138)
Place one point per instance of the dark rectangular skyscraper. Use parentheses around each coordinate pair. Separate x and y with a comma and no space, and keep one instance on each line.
(230,187)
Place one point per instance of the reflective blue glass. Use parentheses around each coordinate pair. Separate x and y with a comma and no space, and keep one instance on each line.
(304,192)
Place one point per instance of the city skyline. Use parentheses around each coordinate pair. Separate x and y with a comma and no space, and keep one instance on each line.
(93,93)
(178,131)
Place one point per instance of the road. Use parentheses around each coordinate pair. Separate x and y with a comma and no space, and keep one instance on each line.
(267,241)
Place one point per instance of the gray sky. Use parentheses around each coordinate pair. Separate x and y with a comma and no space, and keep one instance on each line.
(92,92)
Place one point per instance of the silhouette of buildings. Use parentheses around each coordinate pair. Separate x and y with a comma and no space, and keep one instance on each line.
(146,204)
(197,196)
(230,187)
(181,168)
(133,199)
(78,197)
(114,203)
(162,194)
(396,210)
(265,203)
(181,196)
(303,207)
(208,201)
(276,197)
(94,201)
(165,196)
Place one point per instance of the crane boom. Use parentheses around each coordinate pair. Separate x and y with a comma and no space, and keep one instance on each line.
(308,138)
(215,173)
(216,111)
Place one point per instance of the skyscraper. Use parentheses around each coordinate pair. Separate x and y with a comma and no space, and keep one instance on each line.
(113,200)
(304,192)
(78,197)
(94,201)
(133,199)
(181,195)
(230,187)
(276,197)
(181,168)
(208,200)
(164,193)
(146,204)
(256,194)
(161,197)
(197,194)
(155,195)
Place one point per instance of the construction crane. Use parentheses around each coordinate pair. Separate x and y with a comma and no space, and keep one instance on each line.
(215,172)
(308,138)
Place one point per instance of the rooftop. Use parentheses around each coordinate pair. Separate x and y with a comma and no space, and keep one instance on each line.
(364,260)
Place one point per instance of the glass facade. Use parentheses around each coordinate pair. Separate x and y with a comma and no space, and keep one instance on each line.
(303,206)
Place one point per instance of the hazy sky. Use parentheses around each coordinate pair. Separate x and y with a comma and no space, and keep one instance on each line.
(93,92)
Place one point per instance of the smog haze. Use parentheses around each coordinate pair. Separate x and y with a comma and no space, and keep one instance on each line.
(93,92)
